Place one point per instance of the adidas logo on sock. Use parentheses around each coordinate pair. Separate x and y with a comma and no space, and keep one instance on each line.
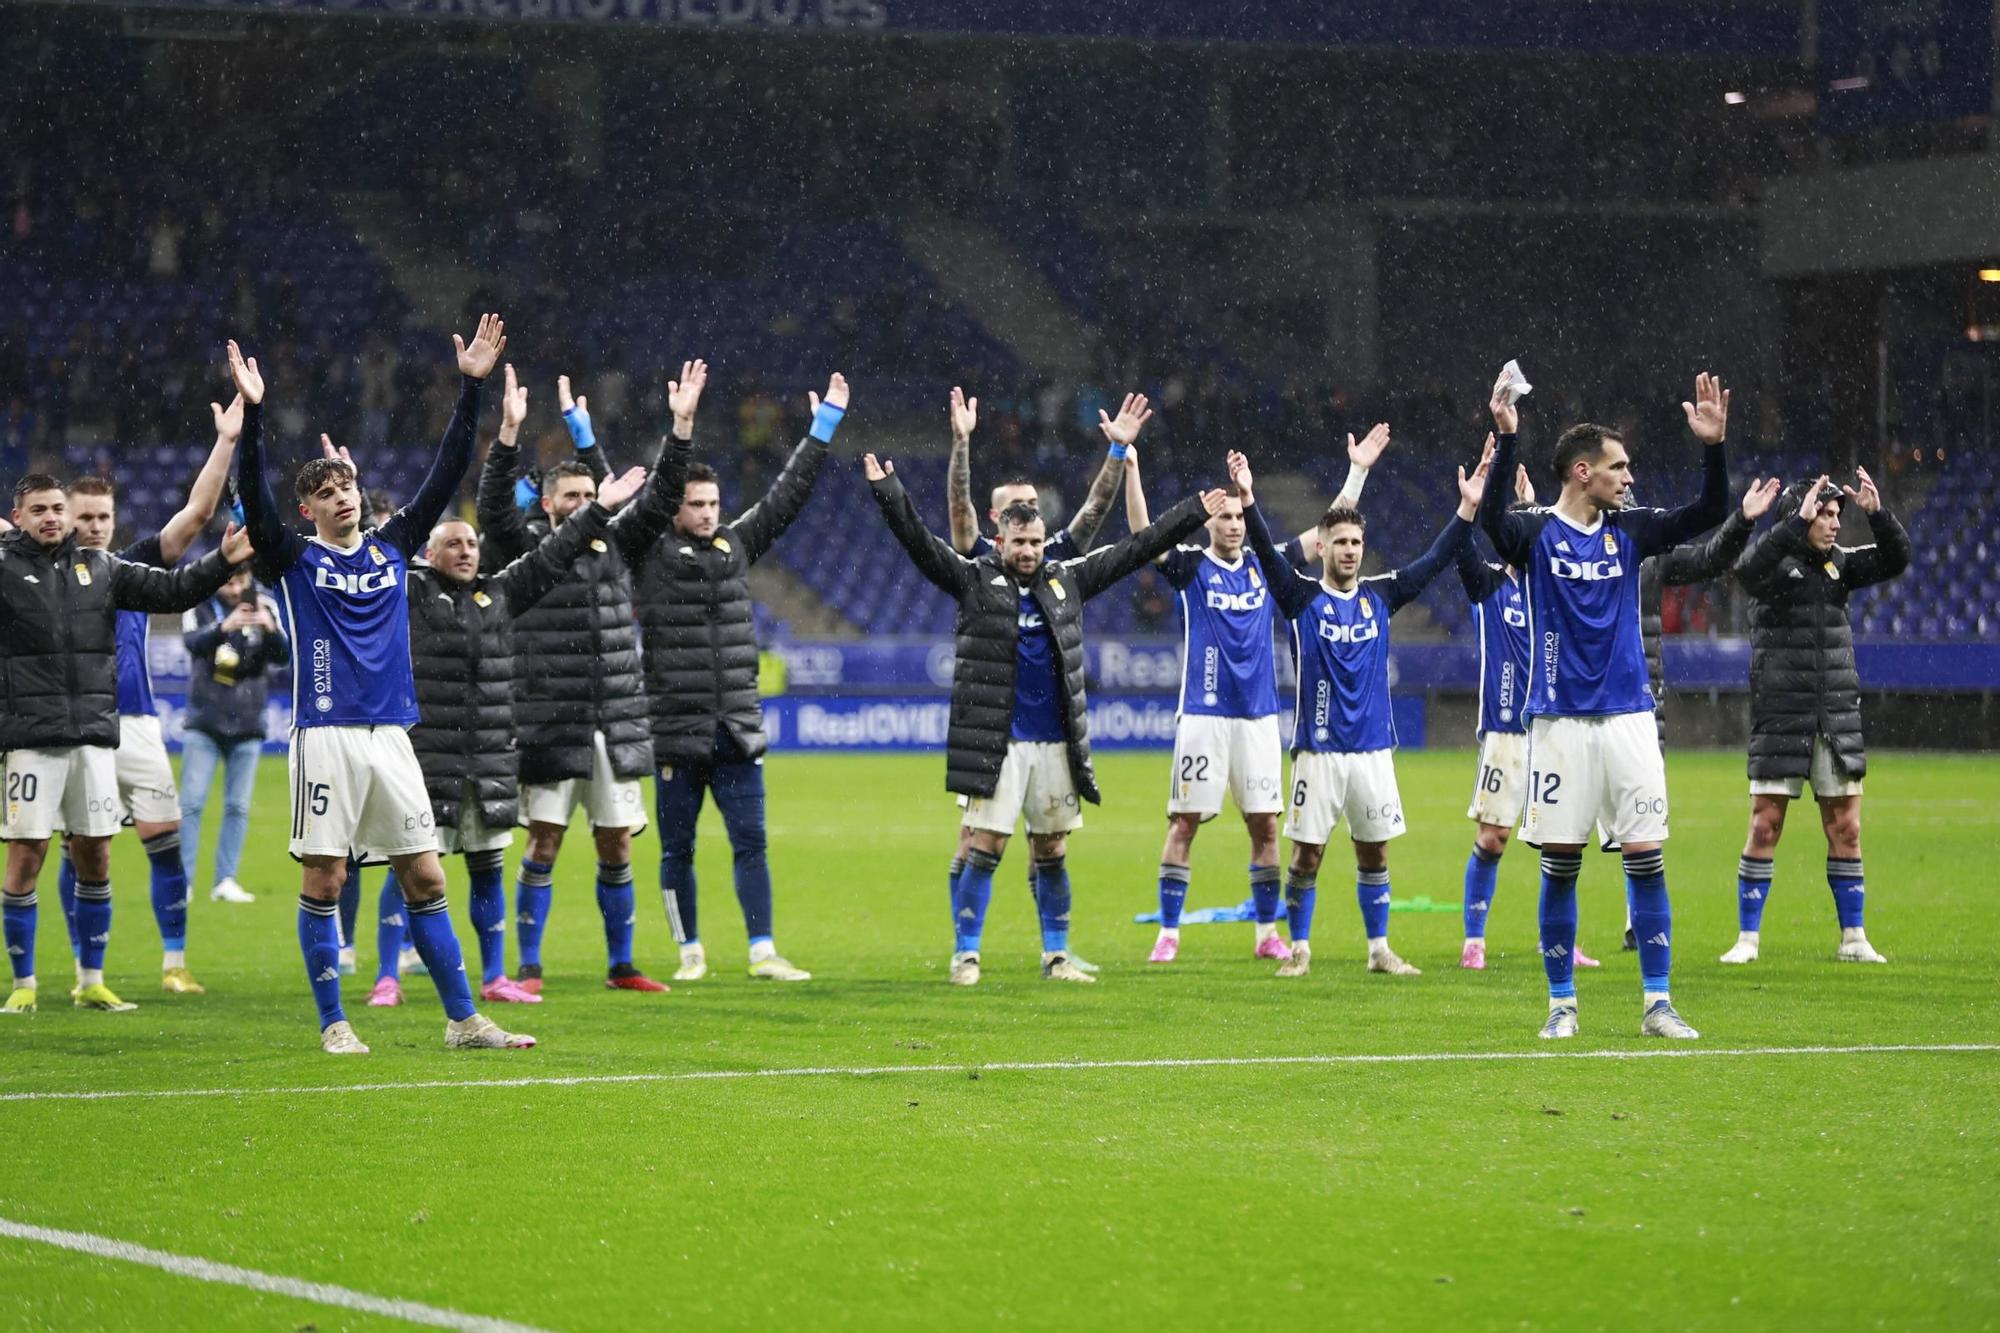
(1659,939)
(525,920)
(105,938)
(396,920)
(1480,907)
(15,950)
(330,974)
(1555,951)
(967,914)
(1383,899)
(1754,895)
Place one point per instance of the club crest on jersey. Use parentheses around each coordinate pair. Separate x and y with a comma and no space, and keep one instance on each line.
(354,585)
(480,599)
(597,545)
(1368,610)
(1055,586)
(1585,571)
(1610,544)
(1255,581)
(721,544)
(83,573)
(1832,570)
(375,554)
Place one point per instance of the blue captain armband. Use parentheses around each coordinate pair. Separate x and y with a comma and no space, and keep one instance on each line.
(826,420)
(578,421)
(526,492)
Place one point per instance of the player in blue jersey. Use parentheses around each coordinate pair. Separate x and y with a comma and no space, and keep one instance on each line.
(357,792)
(1593,755)
(1228,671)
(1343,736)
(1500,618)
(146,787)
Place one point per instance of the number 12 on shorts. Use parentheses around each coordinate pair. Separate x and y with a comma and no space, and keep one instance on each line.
(1542,786)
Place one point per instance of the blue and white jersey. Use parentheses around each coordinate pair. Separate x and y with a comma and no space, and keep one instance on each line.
(1500,616)
(1228,664)
(1341,644)
(1587,654)
(348,615)
(134,635)
(1037,688)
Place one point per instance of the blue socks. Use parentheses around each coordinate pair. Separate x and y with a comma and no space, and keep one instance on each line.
(1371,890)
(532,895)
(1052,903)
(1265,894)
(614,902)
(1843,876)
(1558,921)
(430,931)
(66,894)
(319,942)
(1482,878)
(391,928)
(93,924)
(971,897)
(170,889)
(1652,919)
(17,922)
(1173,893)
(1753,890)
(487,905)
(1301,896)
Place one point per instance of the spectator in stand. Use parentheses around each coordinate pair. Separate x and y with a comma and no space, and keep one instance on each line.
(233,639)
(1151,599)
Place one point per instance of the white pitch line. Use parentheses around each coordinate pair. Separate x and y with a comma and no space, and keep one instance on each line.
(229,1275)
(1668,1052)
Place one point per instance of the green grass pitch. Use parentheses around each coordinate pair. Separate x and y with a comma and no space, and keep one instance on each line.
(1761,1190)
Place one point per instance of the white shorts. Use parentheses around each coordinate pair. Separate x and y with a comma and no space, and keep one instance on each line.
(1502,784)
(1359,788)
(145,775)
(357,792)
(471,833)
(608,800)
(1600,777)
(1827,780)
(74,789)
(1034,781)
(1239,756)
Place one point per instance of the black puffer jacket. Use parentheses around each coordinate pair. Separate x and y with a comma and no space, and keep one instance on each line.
(576,653)
(58,636)
(462,659)
(1697,561)
(988,633)
(1802,676)
(694,619)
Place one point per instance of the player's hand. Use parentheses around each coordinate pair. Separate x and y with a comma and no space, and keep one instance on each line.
(513,405)
(1471,489)
(684,393)
(1867,497)
(1239,472)
(1759,497)
(228,420)
(877,471)
(1809,507)
(1214,501)
(476,361)
(249,380)
(564,401)
(328,449)
(1506,417)
(964,415)
(1708,414)
(1133,414)
(617,490)
(236,546)
(1524,486)
(1371,446)
(836,393)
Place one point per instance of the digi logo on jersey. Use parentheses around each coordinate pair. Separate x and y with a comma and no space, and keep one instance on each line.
(1219,600)
(1586,571)
(1030,620)
(1335,632)
(354,585)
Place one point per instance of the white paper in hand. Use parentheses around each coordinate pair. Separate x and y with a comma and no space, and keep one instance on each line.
(1517,383)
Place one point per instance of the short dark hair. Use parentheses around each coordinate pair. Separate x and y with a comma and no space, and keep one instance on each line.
(699,471)
(1584,440)
(1232,490)
(92,486)
(1019,515)
(566,468)
(35,481)
(1339,514)
(318,471)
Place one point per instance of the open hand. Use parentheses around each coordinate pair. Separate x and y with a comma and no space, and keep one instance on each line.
(684,393)
(1471,489)
(477,360)
(877,471)
(513,403)
(1758,498)
(836,393)
(617,490)
(1133,414)
(1214,501)
(1371,446)
(236,546)
(228,420)
(1867,497)
(1524,487)
(1239,472)
(565,402)
(328,449)
(1809,507)
(1708,414)
(964,414)
(249,380)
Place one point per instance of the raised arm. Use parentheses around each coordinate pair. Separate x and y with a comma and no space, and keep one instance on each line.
(278,547)
(764,522)
(1293,590)
(1890,555)
(1107,564)
(412,524)
(932,555)
(205,495)
(637,526)
(1715,555)
(1137,516)
(1122,432)
(1478,578)
(576,416)
(529,579)
(961,514)
(1707,417)
(147,588)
